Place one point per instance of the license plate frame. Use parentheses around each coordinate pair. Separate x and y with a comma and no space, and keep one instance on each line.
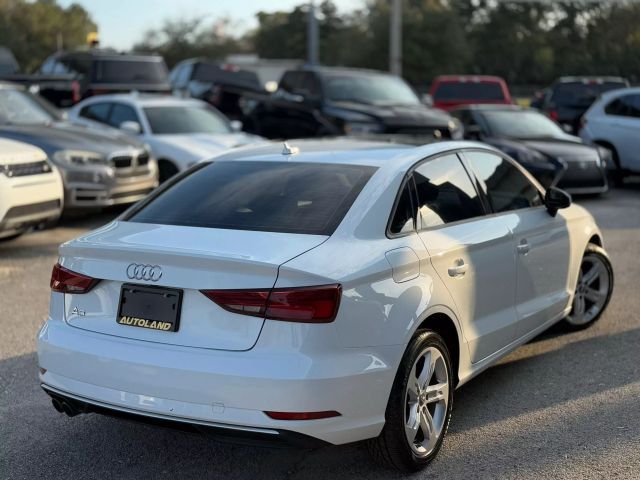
(150,307)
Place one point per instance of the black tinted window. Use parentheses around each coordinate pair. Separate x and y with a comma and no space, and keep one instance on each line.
(403,219)
(469,91)
(98,112)
(581,94)
(130,71)
(289,197)
(445,192)
(627,106)
(122,113)
(507,187)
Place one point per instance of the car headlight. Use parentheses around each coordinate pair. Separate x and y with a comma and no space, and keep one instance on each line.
(78,158)
(524,155)
(605,155)
(455,129)
(356,128)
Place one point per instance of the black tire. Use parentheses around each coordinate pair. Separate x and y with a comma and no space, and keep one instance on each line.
(596,252)
(391,448)
(616,176)
(166,170)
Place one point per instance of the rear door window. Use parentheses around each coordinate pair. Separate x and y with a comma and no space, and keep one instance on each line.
(310,198)
(98,112)
(122,113)
(130,71)
(469,91)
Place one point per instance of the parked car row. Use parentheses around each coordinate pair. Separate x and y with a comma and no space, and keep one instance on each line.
(124,134)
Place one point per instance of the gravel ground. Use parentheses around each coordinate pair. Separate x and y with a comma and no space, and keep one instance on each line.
(563,406)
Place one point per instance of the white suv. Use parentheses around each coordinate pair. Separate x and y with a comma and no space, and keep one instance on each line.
(613,121)
(30,189)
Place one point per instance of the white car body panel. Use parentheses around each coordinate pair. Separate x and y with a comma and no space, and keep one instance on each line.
(27,199)
(228,369)
(622,132)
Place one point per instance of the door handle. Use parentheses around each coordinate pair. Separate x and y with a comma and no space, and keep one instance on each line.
(524,247)
(459,269)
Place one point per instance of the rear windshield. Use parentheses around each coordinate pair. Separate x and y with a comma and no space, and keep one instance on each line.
(469,91)
(580,94)
(290,197)
(130,71)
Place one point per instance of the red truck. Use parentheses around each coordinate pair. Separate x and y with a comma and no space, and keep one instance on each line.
(448,91)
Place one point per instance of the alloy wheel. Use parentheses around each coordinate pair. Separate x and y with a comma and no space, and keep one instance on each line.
(426,400)
(591,292)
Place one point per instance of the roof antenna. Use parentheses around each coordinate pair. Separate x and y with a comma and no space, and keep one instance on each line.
(289,150)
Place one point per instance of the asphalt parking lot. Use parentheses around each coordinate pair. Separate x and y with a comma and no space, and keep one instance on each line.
(562,406)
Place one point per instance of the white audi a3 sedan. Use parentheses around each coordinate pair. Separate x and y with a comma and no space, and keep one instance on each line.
(327,292)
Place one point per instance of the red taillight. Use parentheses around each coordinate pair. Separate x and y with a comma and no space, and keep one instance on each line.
(66,281)
(305,305)
(75,91)
(553,115)
(302,415)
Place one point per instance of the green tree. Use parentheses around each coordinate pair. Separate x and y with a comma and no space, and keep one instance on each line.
(32,29)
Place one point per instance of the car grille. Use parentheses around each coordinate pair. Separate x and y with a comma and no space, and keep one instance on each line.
(26,210)
(143,158)
(25,169)
(121,161)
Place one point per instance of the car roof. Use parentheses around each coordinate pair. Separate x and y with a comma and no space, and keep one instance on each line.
(110,54)
(468,78)
(145,100)
(587,78)
(488,107)
(348,151)
(341,71)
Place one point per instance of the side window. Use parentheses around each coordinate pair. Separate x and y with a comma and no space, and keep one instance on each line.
(182,75)
(445,192)
(98,112)
(310,86)
(403,220)
(626,106)
(507,187)
(122,113)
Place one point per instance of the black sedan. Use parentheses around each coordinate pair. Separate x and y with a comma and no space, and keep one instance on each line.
(554,157)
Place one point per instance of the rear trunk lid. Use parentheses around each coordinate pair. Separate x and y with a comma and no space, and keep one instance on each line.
(186,259)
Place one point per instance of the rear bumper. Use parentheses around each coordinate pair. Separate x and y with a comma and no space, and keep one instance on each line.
(75,404)
(221,389)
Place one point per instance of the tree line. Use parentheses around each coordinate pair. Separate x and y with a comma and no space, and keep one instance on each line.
(526,42)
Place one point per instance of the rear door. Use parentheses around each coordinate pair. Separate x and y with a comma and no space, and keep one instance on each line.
(471,252)
(540,241)
(622,128)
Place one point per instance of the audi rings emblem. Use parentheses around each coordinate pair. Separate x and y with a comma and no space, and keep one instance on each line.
(138,271)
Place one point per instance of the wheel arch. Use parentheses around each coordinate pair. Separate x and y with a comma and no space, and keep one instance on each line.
(443,321)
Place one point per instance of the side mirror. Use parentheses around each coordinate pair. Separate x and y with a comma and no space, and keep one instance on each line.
(472,132)
(236,125)
(132,128)
(555,199)
(426,99)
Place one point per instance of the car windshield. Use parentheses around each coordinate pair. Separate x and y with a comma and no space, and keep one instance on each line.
(21,108)
(469,91)
(130,71)
(291,197)
(581,94)
(369,89)
(176,120)
(521,124)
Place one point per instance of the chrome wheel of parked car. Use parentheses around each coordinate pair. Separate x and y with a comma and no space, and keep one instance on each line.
(595,283)
(427,397)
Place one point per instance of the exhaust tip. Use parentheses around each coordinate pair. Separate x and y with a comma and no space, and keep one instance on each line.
(57,405)
(69,409)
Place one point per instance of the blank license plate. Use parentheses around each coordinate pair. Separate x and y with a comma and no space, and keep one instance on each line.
(156,308)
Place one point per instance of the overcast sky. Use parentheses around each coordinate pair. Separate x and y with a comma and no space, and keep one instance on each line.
(123,22)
